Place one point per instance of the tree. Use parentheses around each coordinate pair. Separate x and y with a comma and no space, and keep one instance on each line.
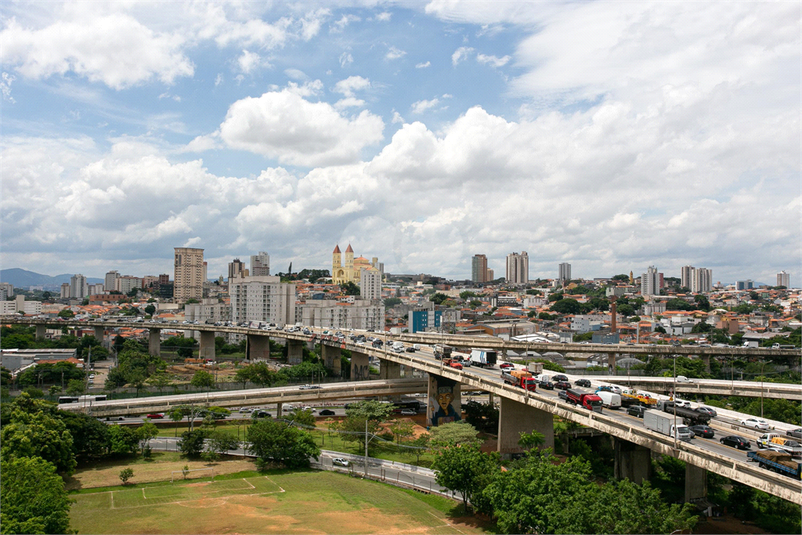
(273,441)
(32,497)
(192,412)
(66,314)
(159,380)
(126,474)
(531,440)
(192,442)
(38,434)
(402,429)
(202,379)
(349,288)
(150,310)
(566,306)
(465,469)
(453,433)
(76,387)
(219,443)
(144,434)
(258,373)
(357,414)
(438,298)
(90,437)
(122,440)
(702,302)
(301,416)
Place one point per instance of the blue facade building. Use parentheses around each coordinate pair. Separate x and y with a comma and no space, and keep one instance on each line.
(423,320)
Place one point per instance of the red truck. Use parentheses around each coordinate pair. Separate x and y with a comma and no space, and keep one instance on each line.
(592,402)
(520,378)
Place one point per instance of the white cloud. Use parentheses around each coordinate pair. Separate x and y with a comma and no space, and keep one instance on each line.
(295,74)
(131,53)
(460,55)
(250,61)
(397,118)
(493,61)
(349,102)
(218,79)
(5,87)
(339,25)
(423,105)
(312,22)
(346,59)
(395,53)
(384,16)
(423,65)
(285,126)
(351,84)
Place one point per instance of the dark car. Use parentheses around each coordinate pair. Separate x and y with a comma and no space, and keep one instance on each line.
(410,349)
(562,385)
(736,442)
(707,410)
(636,410)
(704,431)
(796,433)
(560,377)
(563,394)
(582,382)
(326,412)
(546,385)
(260,414)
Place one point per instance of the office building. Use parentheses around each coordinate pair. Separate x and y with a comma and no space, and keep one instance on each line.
(235,269)
(260,265)
(701,280)
(370,284)
(479,268)
(263,298)
(565,273)
(686,272)
(424,320)
(518,268)
(784,279)
(744,285)
(650,282)
(79,288)
(189,274)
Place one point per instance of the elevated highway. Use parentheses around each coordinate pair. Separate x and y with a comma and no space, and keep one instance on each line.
(520,410)
(718,387)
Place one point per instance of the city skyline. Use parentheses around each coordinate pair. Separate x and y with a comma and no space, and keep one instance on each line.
(291,127)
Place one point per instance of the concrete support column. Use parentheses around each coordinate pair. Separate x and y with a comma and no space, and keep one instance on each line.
(99,334)
(389,370)
(360,366)
(695,482)
(611,361)
(632,461)
(515,418)
(279,408)
(706,360)
(444,401)
(490,398)
(40,331)
(207,349)
(332,358)
(155,342)
(258,347)
(295,351)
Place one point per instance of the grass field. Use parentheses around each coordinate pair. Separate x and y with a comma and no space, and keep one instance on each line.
(278,502)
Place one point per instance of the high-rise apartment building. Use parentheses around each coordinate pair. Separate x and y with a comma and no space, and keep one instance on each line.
(686,273)
(479,268)
(518,268)
(784,279)
(650,282)
(79,288)
(260,264)
(491,275)
(189,274)
(65,290)
(6,290)
(126,283)
(235,268)
(370,284)
(565,273)
(361,314)
(701,280)
(263,298)
(110,282)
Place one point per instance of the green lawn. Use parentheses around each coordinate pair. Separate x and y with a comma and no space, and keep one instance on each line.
(275,502)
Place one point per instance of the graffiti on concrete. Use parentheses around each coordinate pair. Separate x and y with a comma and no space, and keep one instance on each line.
(441,402)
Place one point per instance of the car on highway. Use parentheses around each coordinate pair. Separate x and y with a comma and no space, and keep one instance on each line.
(246,409)
(704,431)
(707,410)
(796,433)
(582,382)
(339,461)
(563,394)
(327,412)
(456,365)
(409,412)
(755,423)
(562,385)
(682,403)
(636,410)
(260,414)
(505,365)
(736,442)
(155,416)
(546,385)
(410,349)
(560,377)
(308,387)
(115,418)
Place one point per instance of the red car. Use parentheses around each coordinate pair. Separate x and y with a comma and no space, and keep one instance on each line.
(156,416)
(456,365)
(505,365)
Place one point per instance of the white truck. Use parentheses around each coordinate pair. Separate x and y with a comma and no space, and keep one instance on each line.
(535,368)
(664,423)
(483,358)
(610,400)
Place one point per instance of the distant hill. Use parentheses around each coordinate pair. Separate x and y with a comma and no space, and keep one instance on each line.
(22,278)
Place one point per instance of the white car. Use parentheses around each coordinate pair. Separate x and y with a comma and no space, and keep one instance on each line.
(339,461)
(755,423)
(682,403)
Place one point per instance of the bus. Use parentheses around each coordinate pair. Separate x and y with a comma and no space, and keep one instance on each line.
(80,399)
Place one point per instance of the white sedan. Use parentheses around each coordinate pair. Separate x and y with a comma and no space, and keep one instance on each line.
(755,423)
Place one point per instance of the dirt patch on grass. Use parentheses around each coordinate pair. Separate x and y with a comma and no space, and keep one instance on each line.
(107,474)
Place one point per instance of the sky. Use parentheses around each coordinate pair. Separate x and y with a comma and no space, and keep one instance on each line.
(610,135)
